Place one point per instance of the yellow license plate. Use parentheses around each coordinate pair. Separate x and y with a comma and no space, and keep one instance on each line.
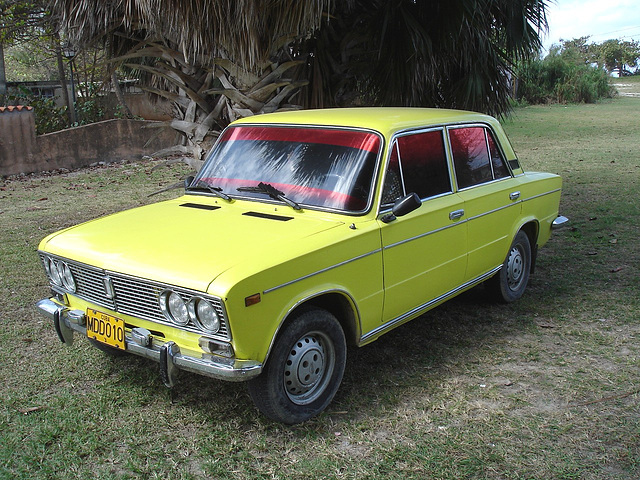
(105,328)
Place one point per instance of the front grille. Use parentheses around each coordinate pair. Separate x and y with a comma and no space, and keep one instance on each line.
(134,296)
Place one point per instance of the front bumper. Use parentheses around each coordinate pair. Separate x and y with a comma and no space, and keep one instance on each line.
(168,354)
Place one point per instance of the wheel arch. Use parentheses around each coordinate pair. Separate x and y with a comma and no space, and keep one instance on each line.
(337,302)
(532,229)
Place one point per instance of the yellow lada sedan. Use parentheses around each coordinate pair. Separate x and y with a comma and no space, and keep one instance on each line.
(304,232)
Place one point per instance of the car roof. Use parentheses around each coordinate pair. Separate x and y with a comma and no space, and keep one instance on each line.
(386,120)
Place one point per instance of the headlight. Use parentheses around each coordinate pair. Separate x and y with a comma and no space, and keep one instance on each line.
(174,308)
(204,315)
(67,277)
(54,271)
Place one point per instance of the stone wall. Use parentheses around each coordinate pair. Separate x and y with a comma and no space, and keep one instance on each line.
(21,151)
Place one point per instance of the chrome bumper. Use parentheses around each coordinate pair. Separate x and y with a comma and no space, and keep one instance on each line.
(560,222)
(169,355)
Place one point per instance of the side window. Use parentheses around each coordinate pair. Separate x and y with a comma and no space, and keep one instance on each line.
(393,186)
(470,156)
(420,162)
(499,168)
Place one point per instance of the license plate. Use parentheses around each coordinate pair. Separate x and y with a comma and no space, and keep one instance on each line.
(105,328)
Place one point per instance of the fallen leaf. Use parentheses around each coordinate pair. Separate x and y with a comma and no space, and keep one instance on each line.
(27,411)
(614,241)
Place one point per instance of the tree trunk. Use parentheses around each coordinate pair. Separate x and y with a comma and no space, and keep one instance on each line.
(3,78)
(120,95)
(71,111)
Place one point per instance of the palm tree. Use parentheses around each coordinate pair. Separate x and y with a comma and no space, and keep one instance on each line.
(220,59)
(442,53)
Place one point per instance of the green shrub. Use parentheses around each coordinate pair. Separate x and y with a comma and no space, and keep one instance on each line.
(554,79)
(49,117)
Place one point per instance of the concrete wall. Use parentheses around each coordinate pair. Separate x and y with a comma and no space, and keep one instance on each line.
(21,151)
(17,136)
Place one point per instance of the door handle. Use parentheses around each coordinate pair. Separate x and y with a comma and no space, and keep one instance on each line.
(514,195)
(456,214)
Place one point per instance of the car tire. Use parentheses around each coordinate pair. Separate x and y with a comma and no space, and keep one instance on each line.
(304,369)
(113,352)
(511,281)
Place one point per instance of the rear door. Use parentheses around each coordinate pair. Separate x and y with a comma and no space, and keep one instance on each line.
(490,193)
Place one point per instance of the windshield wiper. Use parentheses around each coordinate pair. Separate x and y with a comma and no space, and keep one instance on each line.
(217,191)
(273,192)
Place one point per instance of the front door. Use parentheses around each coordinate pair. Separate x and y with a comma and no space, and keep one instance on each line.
(424,252)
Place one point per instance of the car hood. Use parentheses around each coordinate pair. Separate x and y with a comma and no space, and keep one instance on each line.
(188,241)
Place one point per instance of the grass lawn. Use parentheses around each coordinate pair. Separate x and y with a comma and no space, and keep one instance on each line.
(545,388)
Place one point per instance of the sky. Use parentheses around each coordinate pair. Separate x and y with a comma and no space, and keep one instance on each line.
(603,20)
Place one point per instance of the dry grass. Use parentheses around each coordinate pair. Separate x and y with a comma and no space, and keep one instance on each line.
(544,388)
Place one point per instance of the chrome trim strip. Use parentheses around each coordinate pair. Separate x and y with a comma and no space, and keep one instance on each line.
(489,182)
(517,202)
(425,306)
(426,234)
(493,211)
(299,279)
(541,195)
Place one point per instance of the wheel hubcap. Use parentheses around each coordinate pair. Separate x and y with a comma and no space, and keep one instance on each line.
(515,268)
(308,368)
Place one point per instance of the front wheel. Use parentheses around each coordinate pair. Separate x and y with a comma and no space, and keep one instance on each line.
(511,281)
(304,370)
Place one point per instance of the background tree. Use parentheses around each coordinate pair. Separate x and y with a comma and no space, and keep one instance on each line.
(18,19)
(27,25)
(617,56)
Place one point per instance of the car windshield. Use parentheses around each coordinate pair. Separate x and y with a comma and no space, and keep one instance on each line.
(317,167)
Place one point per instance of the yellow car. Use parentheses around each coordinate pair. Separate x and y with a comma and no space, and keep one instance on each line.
(304,232)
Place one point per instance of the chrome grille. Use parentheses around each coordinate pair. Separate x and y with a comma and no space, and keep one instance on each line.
(90,285)
(134,296)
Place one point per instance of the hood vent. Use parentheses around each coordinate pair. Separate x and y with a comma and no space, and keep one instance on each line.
(199,206)
(268,216)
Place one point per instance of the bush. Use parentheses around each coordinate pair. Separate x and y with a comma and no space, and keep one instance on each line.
(554,79)
(49,117)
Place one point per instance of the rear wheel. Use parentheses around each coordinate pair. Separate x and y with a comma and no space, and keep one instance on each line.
(511,281)
(304,369)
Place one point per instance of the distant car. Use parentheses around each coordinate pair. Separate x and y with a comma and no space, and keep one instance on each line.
(304,232)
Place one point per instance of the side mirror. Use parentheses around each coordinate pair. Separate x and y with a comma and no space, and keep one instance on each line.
(402,207)
(187,181)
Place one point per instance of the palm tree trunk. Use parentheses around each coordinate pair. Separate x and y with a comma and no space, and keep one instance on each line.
(119,95)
